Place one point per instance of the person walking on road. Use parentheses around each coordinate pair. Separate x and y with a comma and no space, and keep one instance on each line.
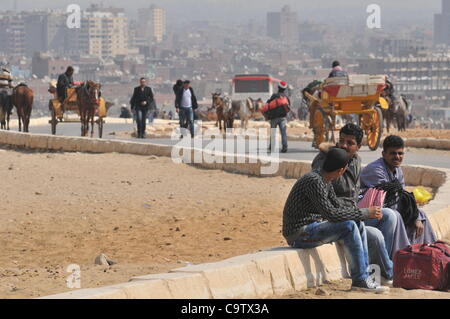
(140,102)
(277,110)
(186,104)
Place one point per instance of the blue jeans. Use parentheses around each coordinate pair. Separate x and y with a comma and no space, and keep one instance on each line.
(387,226)
(141,119)
(352,235)
(282,123)
(187,120)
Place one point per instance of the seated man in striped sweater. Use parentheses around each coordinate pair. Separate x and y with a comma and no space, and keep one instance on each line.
(314,216)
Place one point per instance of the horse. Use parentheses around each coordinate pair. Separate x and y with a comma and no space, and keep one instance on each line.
(88,99)
(6,107)
(245,110)
(402,113)
(22,99)
(389,115)
(222,105)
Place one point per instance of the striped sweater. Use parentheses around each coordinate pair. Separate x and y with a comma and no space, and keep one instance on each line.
(312,200)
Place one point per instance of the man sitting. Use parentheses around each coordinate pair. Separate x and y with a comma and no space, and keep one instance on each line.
(388,169)
(380,233)
(337,70)
(314,216)
(65,81)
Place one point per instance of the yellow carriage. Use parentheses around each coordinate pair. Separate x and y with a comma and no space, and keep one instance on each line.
(354,94)
(60,110)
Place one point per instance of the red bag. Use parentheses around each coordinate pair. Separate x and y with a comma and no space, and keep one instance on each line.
(423,266)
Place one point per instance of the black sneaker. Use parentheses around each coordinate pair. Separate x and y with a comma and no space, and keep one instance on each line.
(284,150)
(369,286)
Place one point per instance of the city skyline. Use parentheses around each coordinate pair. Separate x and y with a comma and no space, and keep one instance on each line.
(400,11)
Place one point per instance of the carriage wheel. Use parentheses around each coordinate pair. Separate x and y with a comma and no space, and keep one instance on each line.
(100,127)
(373,124)
(54,121)
(321,127)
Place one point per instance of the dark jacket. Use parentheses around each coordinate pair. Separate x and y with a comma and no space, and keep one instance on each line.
(140,96)
(348,186)
(64,82)
(180,97)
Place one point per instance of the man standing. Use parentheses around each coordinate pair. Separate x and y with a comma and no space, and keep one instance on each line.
(276,110)
(186,104)
(388,169)
(140,102)
(313,216)
(65,81)
(380,233)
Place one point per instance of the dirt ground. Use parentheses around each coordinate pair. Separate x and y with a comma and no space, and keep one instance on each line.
(146,213)
(341,290)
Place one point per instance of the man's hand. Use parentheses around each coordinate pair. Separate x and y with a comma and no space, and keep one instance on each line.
(178,110)
(419,228)
(143,103)
(375,213)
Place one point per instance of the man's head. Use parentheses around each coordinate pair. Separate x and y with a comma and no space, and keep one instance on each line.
(143,82)
(179,82)
(393,151)
(70,70)
(336,63)
(336,163)
(350,139)
(186,84)
(282,87)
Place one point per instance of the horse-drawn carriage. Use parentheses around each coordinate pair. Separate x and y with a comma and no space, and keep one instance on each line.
(84,100)
(354,94)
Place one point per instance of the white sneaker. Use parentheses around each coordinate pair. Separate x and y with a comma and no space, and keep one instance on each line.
(369,286)
(387,282)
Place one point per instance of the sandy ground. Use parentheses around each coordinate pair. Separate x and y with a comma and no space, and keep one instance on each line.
(146,213)
(341,290)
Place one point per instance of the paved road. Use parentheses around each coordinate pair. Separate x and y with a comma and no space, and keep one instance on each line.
(297,150)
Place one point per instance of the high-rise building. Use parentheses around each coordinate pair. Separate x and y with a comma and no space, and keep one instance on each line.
(12,33)
(442,24)
(283,25)
(45,31)
(152,24)
(104,32)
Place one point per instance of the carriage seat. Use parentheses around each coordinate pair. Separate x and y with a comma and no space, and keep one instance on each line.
(355,85)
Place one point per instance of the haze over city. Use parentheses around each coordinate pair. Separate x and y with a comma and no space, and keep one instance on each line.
(340,12)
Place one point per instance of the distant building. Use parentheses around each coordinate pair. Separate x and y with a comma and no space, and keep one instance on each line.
(283,25)
(45,31)
(104,32)
(398,47)
(152,24)
(428,77)
(12,33)
(442,24)
(44,65)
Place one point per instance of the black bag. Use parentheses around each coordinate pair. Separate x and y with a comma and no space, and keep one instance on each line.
(405,201)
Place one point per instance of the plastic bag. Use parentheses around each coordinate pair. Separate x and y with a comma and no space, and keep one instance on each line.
(422,195)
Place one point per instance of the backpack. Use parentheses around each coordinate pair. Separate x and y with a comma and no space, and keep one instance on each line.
(423,266)
(277,108)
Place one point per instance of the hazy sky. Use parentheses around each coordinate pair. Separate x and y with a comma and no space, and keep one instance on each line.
(242,10)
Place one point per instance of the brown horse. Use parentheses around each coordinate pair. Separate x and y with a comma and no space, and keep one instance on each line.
(23,99)
(223,109)
(88,99)
(5,109)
